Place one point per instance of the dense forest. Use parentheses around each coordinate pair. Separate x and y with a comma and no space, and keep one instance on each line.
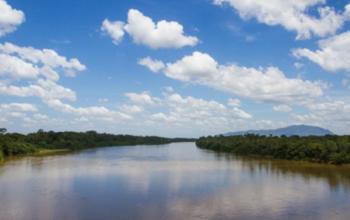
(19,144)
(319,149)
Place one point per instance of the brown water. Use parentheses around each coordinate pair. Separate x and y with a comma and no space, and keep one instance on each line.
(176,181)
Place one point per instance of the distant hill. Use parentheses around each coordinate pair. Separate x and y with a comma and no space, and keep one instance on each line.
(300,130)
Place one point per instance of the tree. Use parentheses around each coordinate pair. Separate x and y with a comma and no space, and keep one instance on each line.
(3,131)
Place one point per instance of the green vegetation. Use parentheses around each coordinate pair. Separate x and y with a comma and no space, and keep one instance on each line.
(319,149)
(19,144)
(52,151)
(183,140)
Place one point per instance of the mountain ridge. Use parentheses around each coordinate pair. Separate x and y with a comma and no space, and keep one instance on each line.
(300,130)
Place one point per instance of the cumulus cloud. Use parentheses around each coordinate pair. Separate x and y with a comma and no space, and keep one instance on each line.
(197,67)
(345,82)
(100,113)
(298,65)
(203,115)
(234,102)
(131,109)
(282,108)
(41,117)
(45,57)
(164,34)
(292,15)
(169,89)
(333,55)
(334,115)
(185,110)
(18,107)
(199,105)
(263,85)
(44,89)
(81,119)
(115,29)
(336,110)
(23,63)
(16,114)
(153,65)
(17,110)
(174,111)
(144,31)
(49,73)
(17,68)
(238,113)
(9,18)
(143,98)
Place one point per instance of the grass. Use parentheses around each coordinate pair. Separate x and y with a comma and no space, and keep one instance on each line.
(52,151)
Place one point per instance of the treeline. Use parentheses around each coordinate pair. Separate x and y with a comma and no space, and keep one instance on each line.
(183,139)
(319,149)
(19,144)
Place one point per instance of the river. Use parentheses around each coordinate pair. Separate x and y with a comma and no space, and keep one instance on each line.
(175,181)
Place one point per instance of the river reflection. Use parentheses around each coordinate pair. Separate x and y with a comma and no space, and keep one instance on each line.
(176,181)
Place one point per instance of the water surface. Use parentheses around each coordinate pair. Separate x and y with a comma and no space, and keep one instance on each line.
(175,181)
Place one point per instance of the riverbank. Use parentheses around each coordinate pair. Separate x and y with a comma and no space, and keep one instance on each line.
(330,149)
(52,151)
(12,144)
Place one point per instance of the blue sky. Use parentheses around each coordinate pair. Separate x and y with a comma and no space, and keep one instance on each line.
(174,68)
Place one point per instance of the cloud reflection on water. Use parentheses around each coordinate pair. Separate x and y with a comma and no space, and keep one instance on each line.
(170,182)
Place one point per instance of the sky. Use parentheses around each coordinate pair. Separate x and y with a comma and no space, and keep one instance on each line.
(184,68)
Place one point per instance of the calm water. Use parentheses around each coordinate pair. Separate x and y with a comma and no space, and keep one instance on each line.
(176,181)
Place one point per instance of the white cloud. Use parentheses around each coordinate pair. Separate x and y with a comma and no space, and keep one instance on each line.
(99,113)
(199,105)
(298,65)
(81,119)
(44,89)
(29,120)
(41,117)
(164,34)
(198,67)
(174,112)
(3,120)
(114,29)
(16,67)
(143,98)
(9,18)
(334,115)
(262,85)
(23,63)
(336,110)
(16,114)
(131,109)
(46,57)
(234,102)
(153,65)
(292,15)
(333,55)
(159,116)
(103,100)
(346,82)
(18,107)
(190,109)
(169,89)
(238,113)
(49,73)
(282,108)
